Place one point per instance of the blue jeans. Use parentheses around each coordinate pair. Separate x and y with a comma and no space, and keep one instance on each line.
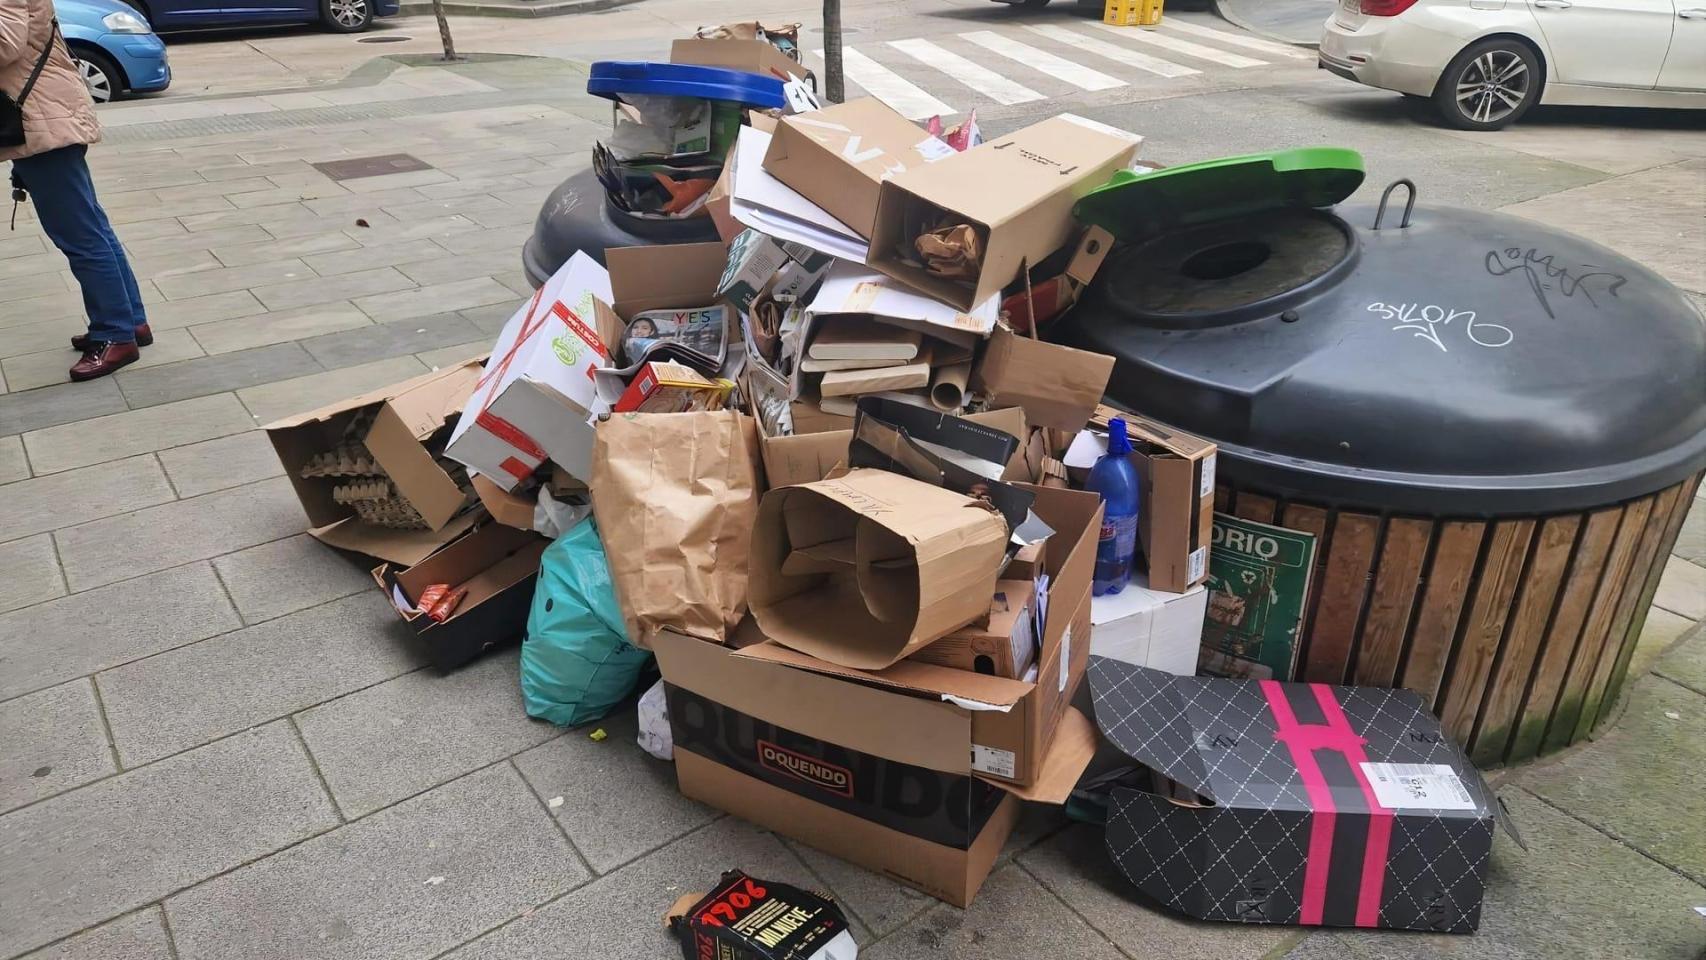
(72,218)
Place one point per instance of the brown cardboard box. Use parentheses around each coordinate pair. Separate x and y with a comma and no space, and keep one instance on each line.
(866,568)
(405,416)
(506,507)
(750,56)
(498,565)
(837,157)
(1017,191)
(1058,386)
(828,762)
(717,205)
(1005,645)
(1176,512)
(1009,737)
(810,418)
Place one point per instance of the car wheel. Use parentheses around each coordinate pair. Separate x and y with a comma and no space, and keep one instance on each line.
(99,73)
(1490,85)
(346,16)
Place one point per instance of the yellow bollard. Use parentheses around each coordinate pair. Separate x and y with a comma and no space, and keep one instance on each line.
(1132,13)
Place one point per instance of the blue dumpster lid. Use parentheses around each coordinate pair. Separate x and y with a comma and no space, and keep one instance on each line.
(610,78)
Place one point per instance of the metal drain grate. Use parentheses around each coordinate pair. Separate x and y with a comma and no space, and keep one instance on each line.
(356,168)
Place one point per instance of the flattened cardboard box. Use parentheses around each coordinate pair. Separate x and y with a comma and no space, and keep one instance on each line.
(1018,189)
(1319,805)
(837,157)
(1176,512)
(880,777)
(498,565)
(407,415)
(1011,721)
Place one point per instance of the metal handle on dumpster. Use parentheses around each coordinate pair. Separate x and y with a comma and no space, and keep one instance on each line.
(1409,205)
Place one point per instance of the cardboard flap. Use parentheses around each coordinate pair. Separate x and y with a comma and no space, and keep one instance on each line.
(681,273)
(909,676)
(1142,712)
(1068,755)
(452,381)
(1058,386)
(405,547)
(1507,822)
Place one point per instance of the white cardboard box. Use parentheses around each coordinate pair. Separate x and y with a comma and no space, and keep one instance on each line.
(1149,628)
(537,399)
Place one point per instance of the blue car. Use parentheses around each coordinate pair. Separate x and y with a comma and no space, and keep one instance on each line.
(114,48)
(338,16)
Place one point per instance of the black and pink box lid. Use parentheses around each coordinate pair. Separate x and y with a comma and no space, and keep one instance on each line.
(1294,803)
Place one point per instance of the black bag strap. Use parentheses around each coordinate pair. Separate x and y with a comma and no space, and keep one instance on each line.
(46,51)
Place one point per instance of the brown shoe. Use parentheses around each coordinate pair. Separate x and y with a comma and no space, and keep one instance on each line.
(144,337)
(100,359)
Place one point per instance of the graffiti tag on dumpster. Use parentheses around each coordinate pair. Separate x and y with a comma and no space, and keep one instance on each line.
(1434,323)
(1543,274)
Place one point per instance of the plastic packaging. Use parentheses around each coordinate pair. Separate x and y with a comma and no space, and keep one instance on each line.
(1115,479)
(655,737)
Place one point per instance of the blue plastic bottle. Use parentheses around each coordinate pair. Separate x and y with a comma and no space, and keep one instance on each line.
(1115,479)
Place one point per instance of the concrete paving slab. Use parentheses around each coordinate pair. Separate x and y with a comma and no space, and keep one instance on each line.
(881,905)
(175,533)
(135,936)
(492,317)
(396,739)
(1660,632)
(53,366)
(287,575)
(465,266)
(454,354)
(32,572)
(119,435)
(618,916)
(1075,867)
(278,327)
(1573,893)
(1641,781)
(226,279)
(240,254)
(232,461)
(1682,589)
(380,233)
(348,286)
(493,238)
(50,742)
(77,496)
(389,255)
(1648,208)
(436,298)
(65,403)
(1691,539)
(54,328)
(271,401)
(1686,664)
(378,341)
(41,284)
(204,376)
(618,802)
(185,697)
(21,247)
(73,636)
(13,464)
(216,306)
(85,856)
(411,881)
(1011,919)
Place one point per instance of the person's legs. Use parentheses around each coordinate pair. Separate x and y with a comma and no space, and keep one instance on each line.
(64,194)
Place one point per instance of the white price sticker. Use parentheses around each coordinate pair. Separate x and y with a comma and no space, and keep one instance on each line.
(933,149)
(1196,565)
(1417,786)
(999,763)
(1065,656)
(1207,486)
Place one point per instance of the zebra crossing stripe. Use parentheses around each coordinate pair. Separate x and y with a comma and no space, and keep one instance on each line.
(1185,47)
(1113,51)
(1236,39)
(974,75)
(1057,67)
(891,88)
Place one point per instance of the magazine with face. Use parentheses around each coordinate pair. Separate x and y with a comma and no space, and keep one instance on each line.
(696,336)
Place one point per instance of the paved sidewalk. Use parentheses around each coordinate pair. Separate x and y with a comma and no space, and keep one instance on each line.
(215,744)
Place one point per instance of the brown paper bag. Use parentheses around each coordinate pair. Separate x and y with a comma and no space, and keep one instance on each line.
(676,496)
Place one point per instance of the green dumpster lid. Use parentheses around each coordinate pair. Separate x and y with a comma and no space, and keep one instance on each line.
(1135,206)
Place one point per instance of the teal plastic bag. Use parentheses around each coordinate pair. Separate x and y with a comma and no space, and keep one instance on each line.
(577,663)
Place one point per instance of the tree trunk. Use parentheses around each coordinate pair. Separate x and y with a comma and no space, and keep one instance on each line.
(444,30)
(834,90)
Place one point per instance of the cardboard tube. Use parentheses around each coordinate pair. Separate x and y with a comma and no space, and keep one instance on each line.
(948,387)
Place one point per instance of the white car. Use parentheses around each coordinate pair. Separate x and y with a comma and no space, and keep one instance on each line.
(1486,62)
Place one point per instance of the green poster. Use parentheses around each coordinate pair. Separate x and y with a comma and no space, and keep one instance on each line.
(1258,584)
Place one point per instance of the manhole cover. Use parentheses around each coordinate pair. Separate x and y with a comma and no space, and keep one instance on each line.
(358,167)
(387,38)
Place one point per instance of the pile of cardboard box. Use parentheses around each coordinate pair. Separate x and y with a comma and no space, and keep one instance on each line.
(844,423)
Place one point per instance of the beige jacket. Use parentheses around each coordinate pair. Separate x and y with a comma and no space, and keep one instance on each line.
(58,112)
